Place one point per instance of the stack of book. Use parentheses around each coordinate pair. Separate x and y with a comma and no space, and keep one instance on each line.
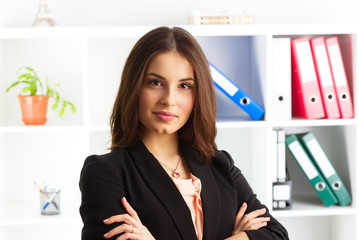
(319,82)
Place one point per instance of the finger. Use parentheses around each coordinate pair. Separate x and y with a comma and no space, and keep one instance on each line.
(248,222)
(124,236)
(121,218)
(130,210)
(241,211)
(239,215)
(129,236)
(254,214)
(256,226)
(256,223)
(257,220)
(123,228)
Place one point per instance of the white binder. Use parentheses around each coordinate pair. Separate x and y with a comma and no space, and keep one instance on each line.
(282,185)
(282,79)
(281,163)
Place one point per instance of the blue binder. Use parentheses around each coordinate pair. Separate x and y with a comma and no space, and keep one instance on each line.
(237,95)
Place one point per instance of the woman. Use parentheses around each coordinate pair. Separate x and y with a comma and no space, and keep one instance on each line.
(164,177)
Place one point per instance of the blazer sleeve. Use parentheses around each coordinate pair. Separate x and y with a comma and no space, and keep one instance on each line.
(274,230)
(101,190)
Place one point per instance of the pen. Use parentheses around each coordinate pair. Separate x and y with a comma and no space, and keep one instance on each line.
(53,202)
(51,199)
(41,190)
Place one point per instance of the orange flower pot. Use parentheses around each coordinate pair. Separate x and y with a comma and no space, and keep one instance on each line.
(33,109)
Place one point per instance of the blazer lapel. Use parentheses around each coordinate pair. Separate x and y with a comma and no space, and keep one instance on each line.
(164,188)
(211,202)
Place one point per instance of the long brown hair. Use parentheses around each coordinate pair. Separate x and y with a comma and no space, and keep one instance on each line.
(200,130)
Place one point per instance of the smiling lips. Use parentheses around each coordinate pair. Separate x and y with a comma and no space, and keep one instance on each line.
(165,116)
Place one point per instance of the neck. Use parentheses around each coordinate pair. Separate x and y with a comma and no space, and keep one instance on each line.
(164,147)
(166,150)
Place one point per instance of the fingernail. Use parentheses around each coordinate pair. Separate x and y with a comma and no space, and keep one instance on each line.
(125,199)
(105,220)
(244,204)
(263,209)
(105,235)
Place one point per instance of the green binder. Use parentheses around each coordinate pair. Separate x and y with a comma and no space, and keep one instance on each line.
(310,171)
(325,167)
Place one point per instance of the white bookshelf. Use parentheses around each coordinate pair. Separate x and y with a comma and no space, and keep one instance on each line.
(88,63)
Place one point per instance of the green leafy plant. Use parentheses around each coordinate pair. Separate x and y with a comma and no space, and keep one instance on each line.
(33,86)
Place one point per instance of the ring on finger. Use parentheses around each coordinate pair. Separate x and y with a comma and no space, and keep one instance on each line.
(133,229)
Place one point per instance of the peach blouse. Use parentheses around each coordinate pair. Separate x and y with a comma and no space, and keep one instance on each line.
(191,192)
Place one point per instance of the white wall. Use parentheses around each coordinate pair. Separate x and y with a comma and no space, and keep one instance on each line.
(21,13)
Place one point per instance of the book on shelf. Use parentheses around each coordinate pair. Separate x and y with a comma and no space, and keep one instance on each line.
(325,78)
(306,99)
(282,184)
(320,85)
(340,77)
(310,171)
(325,167)
(316,165)
(281,94)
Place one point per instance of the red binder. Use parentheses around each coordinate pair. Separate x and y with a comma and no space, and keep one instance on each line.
(340,78)
(325,78)
(306,98)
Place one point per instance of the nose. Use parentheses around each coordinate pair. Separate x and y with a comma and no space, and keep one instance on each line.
(169,97)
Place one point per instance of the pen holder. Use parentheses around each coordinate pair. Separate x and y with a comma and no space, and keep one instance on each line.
(50,202)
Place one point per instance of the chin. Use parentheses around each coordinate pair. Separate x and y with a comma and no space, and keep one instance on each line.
(165,131)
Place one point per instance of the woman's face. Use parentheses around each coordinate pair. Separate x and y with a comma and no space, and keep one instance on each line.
(168,93)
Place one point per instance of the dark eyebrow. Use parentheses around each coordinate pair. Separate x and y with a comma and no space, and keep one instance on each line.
(156,75)
(163,78)
(186,79)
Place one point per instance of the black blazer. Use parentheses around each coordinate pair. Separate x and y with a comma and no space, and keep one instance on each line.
(135,173)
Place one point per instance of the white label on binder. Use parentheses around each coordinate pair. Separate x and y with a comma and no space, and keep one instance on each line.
(323,66)
(303,160)
(321,158)
(281,192)
(223,82)
(305,60)
(337,65)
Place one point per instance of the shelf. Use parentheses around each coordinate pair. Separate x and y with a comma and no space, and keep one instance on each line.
(198,30)
(41,129)
(248,123)
(41,220)
(91,61)
(15,215)
(241,124)
(100,128)
(309,211)
(310,206)
(318,122)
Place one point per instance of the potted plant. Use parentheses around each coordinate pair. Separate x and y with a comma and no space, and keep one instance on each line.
(34,97)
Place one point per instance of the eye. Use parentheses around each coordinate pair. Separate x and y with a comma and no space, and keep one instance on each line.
(185,86)
(154,82)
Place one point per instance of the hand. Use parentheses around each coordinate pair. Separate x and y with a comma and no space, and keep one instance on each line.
(132,227)
(250,221)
